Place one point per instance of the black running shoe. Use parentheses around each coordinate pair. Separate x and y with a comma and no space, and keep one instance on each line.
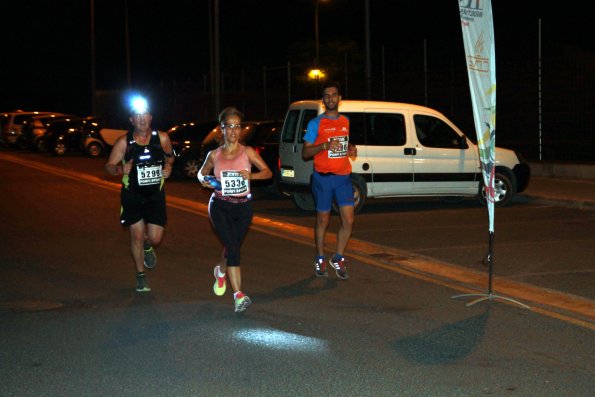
(142,285)
(150,257)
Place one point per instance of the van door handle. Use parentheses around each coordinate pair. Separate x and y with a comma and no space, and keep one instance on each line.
(410,151)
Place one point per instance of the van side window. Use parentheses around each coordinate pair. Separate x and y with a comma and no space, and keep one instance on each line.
(433,132)
(357,130)
(290,126)
(306,117)
(385,129)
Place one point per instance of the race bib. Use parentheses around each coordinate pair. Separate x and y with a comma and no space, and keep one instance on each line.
(342,151)
(232,184)
(149,174)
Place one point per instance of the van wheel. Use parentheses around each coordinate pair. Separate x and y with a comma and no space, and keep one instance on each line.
(359,194)
(303,201)
(503,190)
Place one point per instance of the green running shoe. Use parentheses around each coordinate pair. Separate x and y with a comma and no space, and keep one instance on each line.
(220,285)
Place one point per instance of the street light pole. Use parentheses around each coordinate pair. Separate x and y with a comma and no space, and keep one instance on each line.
(317,59)
(368,58)
(93,70)
(127,33)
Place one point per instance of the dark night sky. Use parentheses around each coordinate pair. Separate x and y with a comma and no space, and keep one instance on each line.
(46,60)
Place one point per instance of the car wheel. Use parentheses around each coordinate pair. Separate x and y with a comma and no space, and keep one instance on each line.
(59,149)
(94,149)
(21,143)
(503,190)
(41,145)
(190,168)
(359,194)
(303,201)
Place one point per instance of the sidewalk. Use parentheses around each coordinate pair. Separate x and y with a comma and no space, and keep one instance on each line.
(574,193)
(572,185)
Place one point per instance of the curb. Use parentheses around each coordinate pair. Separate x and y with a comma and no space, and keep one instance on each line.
(565,202)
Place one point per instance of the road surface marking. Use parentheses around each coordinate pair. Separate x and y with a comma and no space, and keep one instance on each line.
(567,307)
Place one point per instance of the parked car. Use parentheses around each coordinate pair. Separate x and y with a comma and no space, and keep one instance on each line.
(67,135)
(35,127)
(97,139)
(186,139)
(263,136)
(12,123)
(404,150)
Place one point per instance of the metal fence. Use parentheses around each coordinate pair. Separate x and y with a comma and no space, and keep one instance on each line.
(544,100)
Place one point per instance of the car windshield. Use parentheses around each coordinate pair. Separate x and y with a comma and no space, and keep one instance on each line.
(190,131)
(22,118)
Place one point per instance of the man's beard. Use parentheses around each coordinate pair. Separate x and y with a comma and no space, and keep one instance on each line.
(332,106)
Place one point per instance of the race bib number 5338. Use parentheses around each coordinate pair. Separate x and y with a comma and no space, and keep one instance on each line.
(233,184)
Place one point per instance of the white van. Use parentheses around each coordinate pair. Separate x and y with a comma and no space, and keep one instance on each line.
(403,150)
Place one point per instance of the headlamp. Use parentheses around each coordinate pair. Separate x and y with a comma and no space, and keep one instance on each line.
(139,105)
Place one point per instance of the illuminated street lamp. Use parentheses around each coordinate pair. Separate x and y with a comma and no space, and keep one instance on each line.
(316,74)
(317,60)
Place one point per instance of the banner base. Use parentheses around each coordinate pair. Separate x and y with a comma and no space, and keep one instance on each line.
(490,296)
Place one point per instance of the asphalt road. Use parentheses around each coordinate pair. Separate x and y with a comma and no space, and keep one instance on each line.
(72,324)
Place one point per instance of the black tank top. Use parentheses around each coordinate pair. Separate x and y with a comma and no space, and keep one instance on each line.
(146,175)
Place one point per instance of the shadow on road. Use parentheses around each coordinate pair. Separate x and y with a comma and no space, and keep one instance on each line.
(446,344)
(308,286)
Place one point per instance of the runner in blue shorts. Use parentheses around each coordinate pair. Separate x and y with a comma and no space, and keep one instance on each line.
(329,187)
(327,142)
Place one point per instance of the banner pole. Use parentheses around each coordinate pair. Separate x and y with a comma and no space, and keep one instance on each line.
(478,38)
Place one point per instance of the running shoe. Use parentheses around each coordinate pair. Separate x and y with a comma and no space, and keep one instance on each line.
(320,267)
(220,285)
(142,285)
(150,257)
(339,265)
(241,302)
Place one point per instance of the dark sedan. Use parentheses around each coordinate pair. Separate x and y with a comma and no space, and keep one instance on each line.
(66,135)
(34,128)
(186,139)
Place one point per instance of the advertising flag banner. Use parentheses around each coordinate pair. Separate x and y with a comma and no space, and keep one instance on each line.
(478,37)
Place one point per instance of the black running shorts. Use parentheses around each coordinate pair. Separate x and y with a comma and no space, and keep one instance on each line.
(136,206)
